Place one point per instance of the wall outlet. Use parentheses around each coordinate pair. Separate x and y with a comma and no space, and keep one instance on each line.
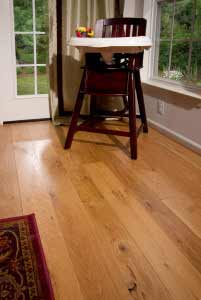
(161,107)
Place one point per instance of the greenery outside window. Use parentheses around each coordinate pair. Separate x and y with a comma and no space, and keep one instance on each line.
(178,41)
(31,46)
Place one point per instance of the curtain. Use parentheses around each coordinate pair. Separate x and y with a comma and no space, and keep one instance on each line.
(74,13)
(133,9)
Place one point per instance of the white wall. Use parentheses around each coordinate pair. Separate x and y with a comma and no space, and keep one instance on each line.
(181,118)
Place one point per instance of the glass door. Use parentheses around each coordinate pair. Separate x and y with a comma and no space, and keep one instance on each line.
(25,56)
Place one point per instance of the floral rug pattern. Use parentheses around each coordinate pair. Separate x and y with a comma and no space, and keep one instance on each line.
(23,271)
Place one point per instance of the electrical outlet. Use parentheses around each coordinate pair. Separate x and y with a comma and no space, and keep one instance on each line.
(161,107)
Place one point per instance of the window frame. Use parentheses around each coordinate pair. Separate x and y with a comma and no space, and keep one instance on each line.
(151,13)
(33,33)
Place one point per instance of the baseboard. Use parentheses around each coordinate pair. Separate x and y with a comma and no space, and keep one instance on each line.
(23,121)
(176,136)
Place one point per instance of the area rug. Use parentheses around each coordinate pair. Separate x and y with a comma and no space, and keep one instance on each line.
(23,270)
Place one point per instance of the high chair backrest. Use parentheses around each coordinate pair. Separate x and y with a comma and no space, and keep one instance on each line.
(120,27)
(123,27)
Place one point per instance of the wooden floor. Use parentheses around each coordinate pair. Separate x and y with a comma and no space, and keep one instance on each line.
(111,228)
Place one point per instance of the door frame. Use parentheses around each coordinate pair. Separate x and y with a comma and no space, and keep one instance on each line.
(13,107)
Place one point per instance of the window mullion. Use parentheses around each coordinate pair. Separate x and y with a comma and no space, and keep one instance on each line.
(191,40)
(171,38)
(157,43)
(30,65)
(34,42)
(29,32)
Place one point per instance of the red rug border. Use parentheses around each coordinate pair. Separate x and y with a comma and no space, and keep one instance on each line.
(39,252)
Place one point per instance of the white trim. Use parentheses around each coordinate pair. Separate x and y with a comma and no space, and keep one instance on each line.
(34,48)
(32,96)
(30,65)
(30,32)
(171,87)
(13,48)
(149,13)
(176,136)
(177,85)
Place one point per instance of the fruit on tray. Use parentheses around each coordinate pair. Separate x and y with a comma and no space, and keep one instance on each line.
(82,31)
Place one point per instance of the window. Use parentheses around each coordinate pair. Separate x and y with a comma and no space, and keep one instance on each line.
(178,41)
(31,46)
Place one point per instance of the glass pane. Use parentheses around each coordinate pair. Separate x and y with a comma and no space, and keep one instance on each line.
(195,71)
(42,48)
(163,59)
(197,31)
(23,15)
(42,80)
(25,81)
(41,15)
(186,50)
(166,20)
(183,19)
(24,49)
(179,63)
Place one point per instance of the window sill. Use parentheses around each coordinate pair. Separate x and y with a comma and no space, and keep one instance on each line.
(22,97)
(166,90)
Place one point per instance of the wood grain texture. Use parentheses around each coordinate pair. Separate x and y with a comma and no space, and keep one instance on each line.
(10,203)
(111,228)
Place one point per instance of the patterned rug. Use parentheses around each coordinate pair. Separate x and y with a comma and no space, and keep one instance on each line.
(23,270)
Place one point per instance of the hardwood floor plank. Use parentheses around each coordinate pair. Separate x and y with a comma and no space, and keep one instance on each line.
(111,228)
(126,262)
(177,230)
(186,154)
(9,185)
(182,233)
(85,250)
(188,209)
(133,267)
(36,199)
(178,275)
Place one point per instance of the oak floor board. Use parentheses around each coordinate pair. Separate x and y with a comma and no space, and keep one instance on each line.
(94,203)
(185,234)
(9,184)
(188,209)
(183,152)
(118,243)
(36,199)
(111,228)
(179,171)
(184,238)
(79,232)
(175,271)
(181,194)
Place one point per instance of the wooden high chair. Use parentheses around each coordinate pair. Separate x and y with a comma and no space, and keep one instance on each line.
(121,78)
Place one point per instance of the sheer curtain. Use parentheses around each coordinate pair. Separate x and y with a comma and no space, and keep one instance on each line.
(74,13)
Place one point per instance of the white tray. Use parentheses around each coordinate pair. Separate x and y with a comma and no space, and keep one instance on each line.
(108,46)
